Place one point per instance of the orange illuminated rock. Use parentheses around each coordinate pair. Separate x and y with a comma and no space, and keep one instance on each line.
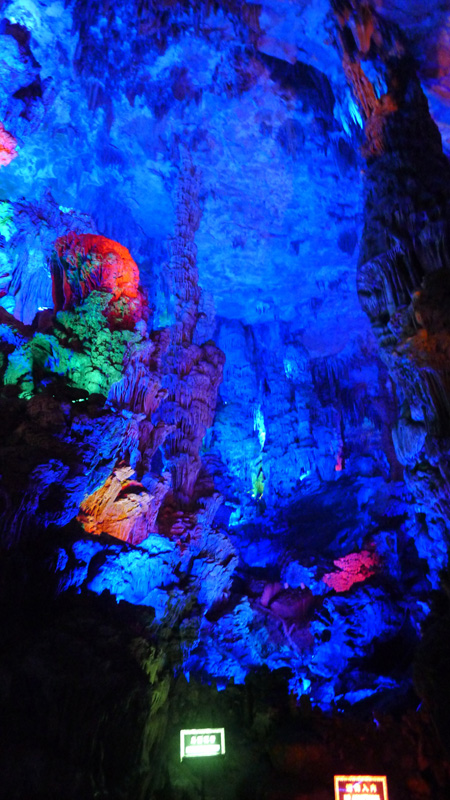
(122,507)
(83,263)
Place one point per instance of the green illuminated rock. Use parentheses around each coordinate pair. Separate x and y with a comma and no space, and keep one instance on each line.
(82,351)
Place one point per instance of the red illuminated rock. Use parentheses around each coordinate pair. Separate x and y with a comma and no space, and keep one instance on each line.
(83,263)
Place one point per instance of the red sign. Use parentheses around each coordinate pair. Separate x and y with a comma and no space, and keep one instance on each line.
(358,787)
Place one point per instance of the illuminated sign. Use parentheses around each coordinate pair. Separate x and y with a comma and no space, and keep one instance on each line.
(202,742)
(357,787)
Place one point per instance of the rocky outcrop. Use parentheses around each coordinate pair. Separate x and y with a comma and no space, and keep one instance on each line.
(83,263)
(122,507)
(28,232)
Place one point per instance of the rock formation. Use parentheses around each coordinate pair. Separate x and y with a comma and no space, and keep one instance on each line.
(83,263)
(403,260)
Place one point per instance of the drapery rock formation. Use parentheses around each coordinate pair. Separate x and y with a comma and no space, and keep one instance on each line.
(403,262)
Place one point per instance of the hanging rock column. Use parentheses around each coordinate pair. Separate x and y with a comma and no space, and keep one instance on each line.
(193,372)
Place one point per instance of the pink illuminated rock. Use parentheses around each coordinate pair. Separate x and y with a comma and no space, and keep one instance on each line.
(352,568)
(7,147)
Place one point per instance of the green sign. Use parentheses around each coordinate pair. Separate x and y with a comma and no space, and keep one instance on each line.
(202,742)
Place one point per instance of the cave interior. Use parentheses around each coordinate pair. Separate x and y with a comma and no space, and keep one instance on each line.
(224,397)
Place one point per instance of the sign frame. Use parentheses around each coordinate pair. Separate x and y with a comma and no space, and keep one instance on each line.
(202,748)
(341,794)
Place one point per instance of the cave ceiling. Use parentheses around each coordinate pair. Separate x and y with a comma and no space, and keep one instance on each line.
(106,100)
(121,96)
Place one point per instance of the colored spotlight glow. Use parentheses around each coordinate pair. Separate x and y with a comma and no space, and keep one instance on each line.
(199,742)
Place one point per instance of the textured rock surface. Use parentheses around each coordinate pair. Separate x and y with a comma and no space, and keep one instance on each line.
(83,263)
(402,277)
